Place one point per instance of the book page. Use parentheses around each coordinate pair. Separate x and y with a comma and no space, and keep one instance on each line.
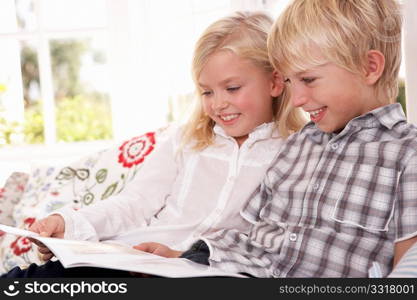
(73,253)
(18,231)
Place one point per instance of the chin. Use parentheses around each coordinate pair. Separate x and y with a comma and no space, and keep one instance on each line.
(326,129)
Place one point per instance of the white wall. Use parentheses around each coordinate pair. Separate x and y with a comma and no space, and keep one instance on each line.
(410,57)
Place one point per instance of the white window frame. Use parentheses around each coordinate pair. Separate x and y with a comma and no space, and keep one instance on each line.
(41,36)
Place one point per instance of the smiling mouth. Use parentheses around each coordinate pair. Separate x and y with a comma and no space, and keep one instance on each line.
(318,114)
(229,117)
(315,113)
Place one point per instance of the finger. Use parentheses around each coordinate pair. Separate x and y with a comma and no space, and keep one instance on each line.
(46,228)
(35,241)
(142,247)
(34,227)
(147,247)
(44,250)
(47,257)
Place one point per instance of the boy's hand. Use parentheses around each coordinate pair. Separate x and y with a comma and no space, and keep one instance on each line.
(158,249)
(52,226)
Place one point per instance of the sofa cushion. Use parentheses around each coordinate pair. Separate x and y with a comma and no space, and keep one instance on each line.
(10,195)
(93,178)
(14,251)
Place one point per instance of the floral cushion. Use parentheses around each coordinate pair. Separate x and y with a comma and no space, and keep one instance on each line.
(10,195)
(94,178)
(15,250)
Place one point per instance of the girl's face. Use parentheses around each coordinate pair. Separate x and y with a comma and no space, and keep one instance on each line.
(237,94)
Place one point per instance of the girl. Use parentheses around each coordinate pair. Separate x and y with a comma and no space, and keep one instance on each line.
(201,174)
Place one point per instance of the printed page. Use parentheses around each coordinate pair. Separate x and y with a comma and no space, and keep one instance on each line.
(18,231)
(72,253)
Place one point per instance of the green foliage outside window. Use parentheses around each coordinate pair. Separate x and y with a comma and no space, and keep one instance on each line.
(401,95)
(81,119)
(77,119)
(82,114)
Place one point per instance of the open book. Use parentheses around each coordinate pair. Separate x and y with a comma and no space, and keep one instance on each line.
(72,253)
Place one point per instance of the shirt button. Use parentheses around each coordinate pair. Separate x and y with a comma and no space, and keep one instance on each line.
(276,272)
(316,186)
(293,237)
(335,146)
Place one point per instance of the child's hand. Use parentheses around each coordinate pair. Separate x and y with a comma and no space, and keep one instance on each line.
(158,249)
(52,226)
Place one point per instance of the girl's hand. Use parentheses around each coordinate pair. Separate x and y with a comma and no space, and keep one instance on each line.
(158,249)
(52,226)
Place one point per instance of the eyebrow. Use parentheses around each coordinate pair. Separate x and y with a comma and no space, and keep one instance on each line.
(224,81)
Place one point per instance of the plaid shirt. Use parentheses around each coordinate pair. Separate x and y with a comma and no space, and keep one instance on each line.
(330,204)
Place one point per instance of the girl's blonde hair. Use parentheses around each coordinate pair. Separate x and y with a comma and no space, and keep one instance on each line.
(244,33)
(343,32)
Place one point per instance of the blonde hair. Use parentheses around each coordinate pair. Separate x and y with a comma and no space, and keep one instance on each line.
(344,32)
(245,34)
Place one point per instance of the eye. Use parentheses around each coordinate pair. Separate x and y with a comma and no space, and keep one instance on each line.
(308,79)
(287,80)
(233,88)
(206,93)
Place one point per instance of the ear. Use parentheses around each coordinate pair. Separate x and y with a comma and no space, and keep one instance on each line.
(277,84)
(375,66)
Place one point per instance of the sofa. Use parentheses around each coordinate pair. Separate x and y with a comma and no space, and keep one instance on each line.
(26,198)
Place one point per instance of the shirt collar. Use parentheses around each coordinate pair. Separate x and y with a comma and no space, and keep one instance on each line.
(387,116)
(263,131)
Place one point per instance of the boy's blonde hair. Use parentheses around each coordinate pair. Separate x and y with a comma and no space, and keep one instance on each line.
(343,31)
(245,34)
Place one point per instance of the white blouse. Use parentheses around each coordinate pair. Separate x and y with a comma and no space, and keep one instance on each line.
(180,195)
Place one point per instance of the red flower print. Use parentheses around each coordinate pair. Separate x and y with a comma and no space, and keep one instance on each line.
(21,245)
(133,151)
(2,233)
(29,221)
(2,192)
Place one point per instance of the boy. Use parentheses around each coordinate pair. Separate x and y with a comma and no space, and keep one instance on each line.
(342,192)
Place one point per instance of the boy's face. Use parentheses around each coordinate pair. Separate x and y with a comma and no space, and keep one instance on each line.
(331,95)
(237,94)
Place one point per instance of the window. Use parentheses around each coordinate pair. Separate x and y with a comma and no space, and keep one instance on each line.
(118,68)
(54,83)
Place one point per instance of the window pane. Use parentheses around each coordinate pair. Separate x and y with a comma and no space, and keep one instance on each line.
(8,22)
(79,68)
(25,14)
(11,104)
(73,14)
(34,121)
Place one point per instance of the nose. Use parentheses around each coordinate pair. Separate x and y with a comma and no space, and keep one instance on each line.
(219,102)
(298,95)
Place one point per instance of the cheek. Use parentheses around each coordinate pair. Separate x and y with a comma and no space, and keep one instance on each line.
(206,106)
(248,101)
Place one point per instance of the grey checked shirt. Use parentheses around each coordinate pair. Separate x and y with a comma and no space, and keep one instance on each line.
(331,204)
